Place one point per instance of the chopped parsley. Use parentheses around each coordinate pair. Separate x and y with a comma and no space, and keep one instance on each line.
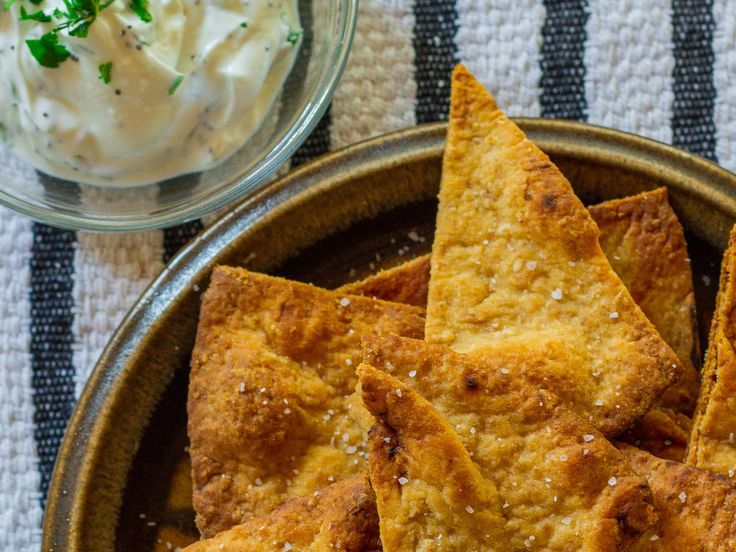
(105,72)
(293,36)
(35,16)
(75,18)
(174,85)
(47,50)
(244,24)
(140,7)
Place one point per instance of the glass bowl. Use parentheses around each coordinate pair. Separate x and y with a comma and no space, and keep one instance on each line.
(328,32)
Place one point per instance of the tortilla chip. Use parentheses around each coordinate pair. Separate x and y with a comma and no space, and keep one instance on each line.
(474,453)
(272,365)
(645,244)
(406,283)
(662,432)
(341,516)
(517,272)
(696,509)
(712,443)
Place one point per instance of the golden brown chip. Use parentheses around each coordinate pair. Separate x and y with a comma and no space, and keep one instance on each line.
(645,244)
(661,431)
(406,283)
(712,440)
(475,454)
(272,365)
(517,271)
(341,516)
(696,509)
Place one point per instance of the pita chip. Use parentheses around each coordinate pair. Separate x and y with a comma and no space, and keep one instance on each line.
(696,509)
(712,442)
(517,273)
(273,363)
(341,516)
(494,463)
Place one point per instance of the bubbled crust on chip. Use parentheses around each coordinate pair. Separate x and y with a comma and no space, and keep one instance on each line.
(516,263)
(645,244)
(406,283)
(341,516)
(696,509)
(713,439)
(552,471)
(662,432)
(272,364)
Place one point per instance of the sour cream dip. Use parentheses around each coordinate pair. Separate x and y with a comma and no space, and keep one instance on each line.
(155,89)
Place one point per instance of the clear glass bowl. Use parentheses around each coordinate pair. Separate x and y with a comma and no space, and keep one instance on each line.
(328,33)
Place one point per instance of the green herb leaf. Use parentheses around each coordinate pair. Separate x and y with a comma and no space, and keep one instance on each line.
(140,8)
(47,50)
(105,72)
(7,4)
(293,36)
(36,16)
(36,2)
(174,85)
(244,24)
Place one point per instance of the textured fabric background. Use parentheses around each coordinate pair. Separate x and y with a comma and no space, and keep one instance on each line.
(662,68)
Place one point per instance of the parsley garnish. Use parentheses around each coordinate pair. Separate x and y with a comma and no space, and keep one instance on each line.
(139,7)
(105,72)
(174,85)
(47,50)
(244,24)
(75,19)
(293,36)
(36,16)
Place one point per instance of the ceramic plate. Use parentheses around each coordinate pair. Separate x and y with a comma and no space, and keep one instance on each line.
(122,478)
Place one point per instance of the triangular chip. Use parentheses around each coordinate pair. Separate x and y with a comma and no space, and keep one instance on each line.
(406,283)
(713,440)
(696,509)
(272,365)
(491,461)
(339,517)
(517,271)
(645,244)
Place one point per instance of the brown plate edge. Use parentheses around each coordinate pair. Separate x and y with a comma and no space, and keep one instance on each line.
(81,490)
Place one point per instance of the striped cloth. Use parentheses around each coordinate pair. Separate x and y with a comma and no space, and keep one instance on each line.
(665,69)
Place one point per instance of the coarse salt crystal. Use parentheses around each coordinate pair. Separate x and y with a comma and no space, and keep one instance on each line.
(588,437)
(472,430)
(398,392)
(682,496)
(598,402)
(505,505)
(613,314)
(351,449)
(344,302)
(654,538)
(413,373)
(556,294)
(517,265)
(566,521)
(469,509)
(403,481)
(287,546)
(349,361)
(287,410)
(242,387)
(612,481)
(531,265)
(504,370)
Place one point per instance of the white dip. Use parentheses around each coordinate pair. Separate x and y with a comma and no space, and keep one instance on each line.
(185,90)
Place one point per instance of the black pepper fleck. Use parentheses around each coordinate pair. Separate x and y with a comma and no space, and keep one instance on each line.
(117,92)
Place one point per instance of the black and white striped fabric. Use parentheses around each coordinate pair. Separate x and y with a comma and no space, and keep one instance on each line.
(665,69)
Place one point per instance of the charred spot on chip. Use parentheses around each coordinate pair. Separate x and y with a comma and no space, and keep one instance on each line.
(548,201)
(393,451)
(470,381)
